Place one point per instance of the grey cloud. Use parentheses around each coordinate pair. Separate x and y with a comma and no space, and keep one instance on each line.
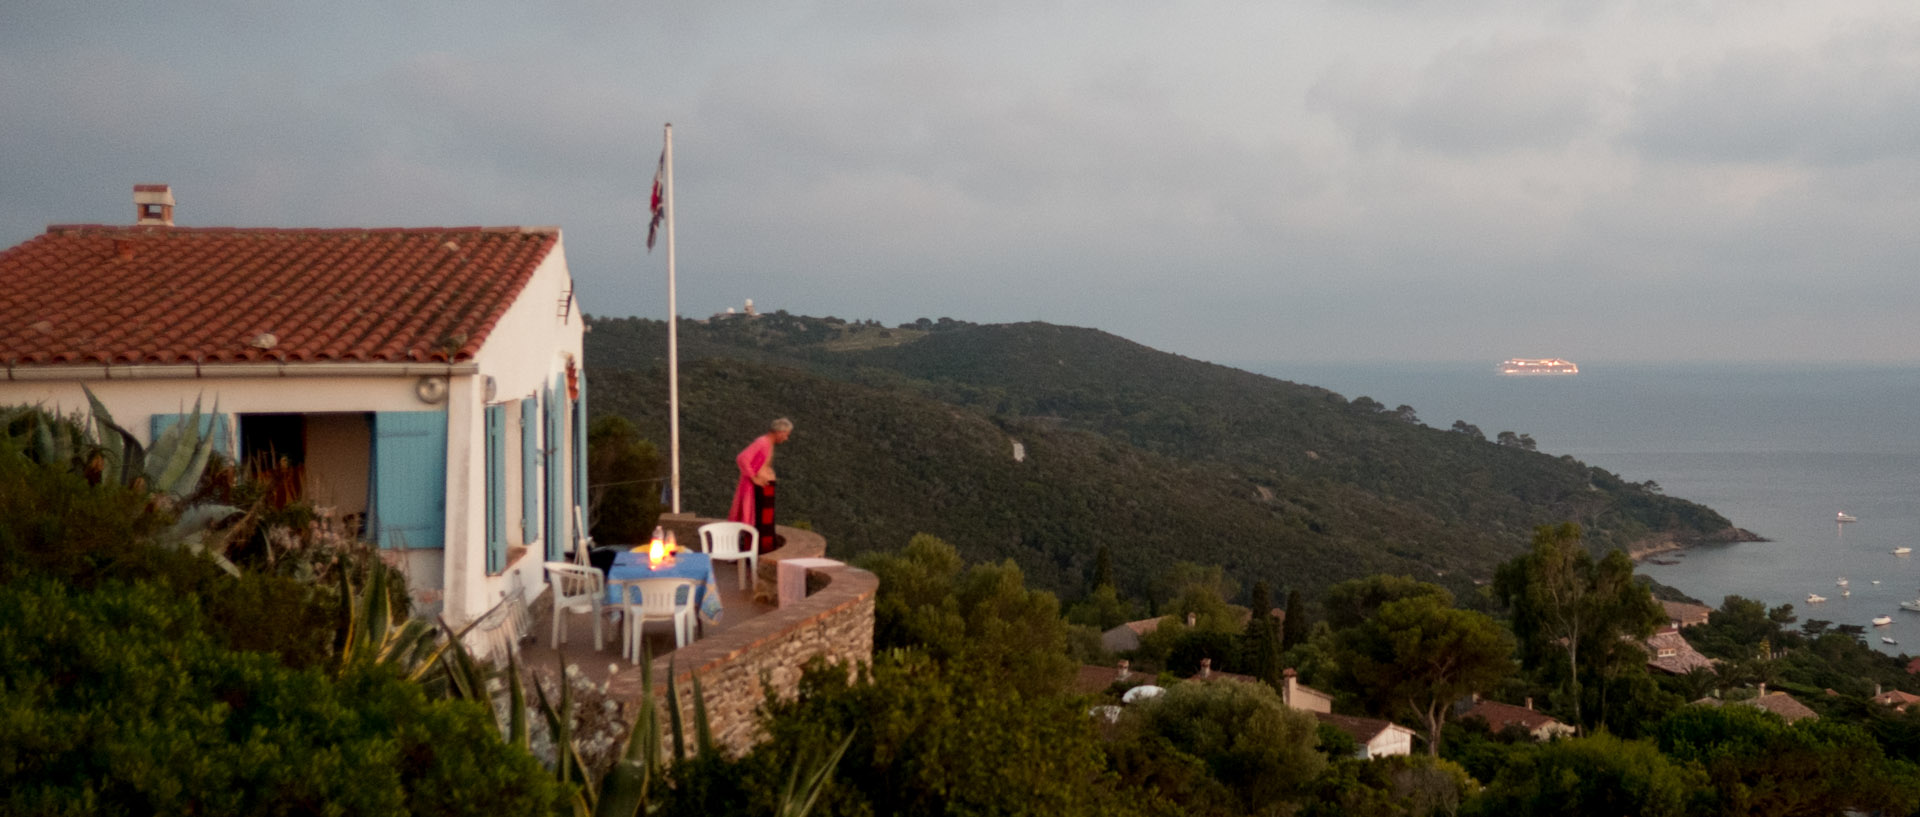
(1473,98)
(1854,99)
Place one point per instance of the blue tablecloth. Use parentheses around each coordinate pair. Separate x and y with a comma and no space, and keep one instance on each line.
(695,566)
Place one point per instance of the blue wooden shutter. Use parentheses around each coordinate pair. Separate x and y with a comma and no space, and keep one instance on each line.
(496,489)
(530,470)
(216,424)
(556,444)
(410,479)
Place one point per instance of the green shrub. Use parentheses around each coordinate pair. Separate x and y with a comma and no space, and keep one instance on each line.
(119,701)
(928,740)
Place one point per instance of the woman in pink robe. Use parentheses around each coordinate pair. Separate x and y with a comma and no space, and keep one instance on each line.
(753,496)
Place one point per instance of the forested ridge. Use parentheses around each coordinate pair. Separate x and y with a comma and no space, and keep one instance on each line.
(911,429)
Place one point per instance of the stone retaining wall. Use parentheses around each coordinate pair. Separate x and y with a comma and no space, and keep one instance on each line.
(740,666)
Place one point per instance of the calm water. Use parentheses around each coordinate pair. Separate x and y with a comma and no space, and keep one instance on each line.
(1779,449)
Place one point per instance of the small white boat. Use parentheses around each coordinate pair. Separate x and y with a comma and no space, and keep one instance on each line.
(1816,599)
(1887,640)
(1842,582)
(1911,605)
(1882,621)
(1845,593)
(1843,516)
(1902,550)
(1876,581)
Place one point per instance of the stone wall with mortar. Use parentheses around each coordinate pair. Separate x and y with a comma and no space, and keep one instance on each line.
(741,666)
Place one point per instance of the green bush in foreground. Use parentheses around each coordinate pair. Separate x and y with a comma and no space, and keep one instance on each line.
(118,702)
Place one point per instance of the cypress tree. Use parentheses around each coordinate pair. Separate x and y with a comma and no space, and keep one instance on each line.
(1262,639)
(1295,629)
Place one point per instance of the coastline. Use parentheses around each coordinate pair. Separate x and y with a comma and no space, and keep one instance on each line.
(1668,542)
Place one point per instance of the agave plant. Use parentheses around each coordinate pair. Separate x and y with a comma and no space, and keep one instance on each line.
(373,632)
(44,437)
(171,467)
(170,470)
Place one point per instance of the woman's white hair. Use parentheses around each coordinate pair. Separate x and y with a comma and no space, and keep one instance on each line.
(783,424)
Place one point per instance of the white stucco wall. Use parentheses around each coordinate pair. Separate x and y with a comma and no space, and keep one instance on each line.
(528,348)
(1392,741)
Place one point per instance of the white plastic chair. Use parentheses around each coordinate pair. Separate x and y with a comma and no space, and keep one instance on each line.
(576,589)
(721,541)
(659,600)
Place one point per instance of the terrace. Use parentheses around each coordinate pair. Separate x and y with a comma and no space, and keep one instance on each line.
(756,649)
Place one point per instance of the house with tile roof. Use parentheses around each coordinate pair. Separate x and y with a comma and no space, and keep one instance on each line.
(1499,717)
(1669,652)
(1779,703)
(1897,699)
(1126,637)
(1782,704)
(1299,696)
(426,382)
(1377,738)
(1208,674)
(1093,680)
(1681,614)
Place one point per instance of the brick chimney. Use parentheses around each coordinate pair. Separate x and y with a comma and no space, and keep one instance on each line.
(1763,690)
(1529,703)
(153,205)
(1124,671)
(1293,684)
(1192,618)
(1206,667)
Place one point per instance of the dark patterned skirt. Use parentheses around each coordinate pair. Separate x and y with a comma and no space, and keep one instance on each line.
(763,516)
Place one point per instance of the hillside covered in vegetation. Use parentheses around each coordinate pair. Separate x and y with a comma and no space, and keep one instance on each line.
(912,429)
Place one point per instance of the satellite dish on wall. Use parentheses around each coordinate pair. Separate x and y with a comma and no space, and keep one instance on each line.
(431,389)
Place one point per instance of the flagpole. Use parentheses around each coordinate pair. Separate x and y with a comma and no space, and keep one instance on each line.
(673,329)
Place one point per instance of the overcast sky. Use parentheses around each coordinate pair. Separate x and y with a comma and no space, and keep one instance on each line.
(1339,180)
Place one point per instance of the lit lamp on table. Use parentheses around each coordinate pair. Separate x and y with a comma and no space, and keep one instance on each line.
(660,551)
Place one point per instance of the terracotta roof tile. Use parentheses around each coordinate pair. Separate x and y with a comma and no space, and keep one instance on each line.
(1499,716)
(1361,729)
(1784,705)
(1896,698)
(1669,652)
(126,295)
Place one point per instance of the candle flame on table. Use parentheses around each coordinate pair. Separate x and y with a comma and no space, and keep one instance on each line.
(657,553)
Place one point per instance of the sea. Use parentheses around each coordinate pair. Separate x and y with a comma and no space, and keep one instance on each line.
(1780,449)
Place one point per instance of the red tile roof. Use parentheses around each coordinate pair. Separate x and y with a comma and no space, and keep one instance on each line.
(1363,730)
(1093,679)
(1500,716)
(1897,699)
(1784,705)
(123,295)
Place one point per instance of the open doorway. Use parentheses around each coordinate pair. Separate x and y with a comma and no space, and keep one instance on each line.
(273,449)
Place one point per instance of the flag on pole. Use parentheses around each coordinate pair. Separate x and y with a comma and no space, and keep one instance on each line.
(659,200)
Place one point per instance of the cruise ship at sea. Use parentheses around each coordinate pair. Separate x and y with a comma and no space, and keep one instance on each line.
(1544,365)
